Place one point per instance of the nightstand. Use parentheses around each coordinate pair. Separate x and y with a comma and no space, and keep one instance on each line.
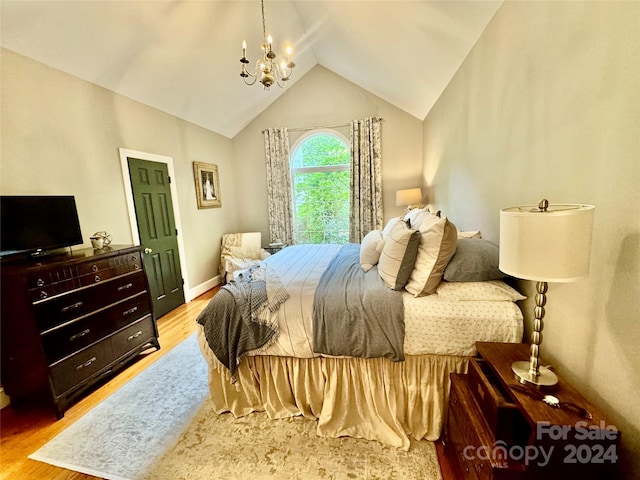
(274,248)
(497,431)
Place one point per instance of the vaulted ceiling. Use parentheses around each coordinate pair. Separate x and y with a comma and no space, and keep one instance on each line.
(182,56)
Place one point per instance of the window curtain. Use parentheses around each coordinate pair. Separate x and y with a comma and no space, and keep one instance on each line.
(366,178)
(276,148)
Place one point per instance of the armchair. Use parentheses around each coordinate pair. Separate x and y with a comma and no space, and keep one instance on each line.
(239,251)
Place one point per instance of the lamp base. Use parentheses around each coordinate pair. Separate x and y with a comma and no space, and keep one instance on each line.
(545,378)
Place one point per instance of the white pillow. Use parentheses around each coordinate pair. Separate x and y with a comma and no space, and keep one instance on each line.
(470,234)
(492,290)
(398,255)
(240,251)
(389,226)
(438,239)
(370,249)
(417,216)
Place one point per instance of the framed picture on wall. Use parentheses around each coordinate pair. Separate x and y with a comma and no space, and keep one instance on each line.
(207,185)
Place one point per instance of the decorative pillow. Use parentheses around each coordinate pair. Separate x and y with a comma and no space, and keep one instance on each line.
(390,224)
(370,249)
(470,234)
(416,216)
(476,260)
(239,251)
(493,290)
(438,237)
(398,255)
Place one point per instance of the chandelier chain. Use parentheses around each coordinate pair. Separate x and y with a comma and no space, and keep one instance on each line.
(264,28)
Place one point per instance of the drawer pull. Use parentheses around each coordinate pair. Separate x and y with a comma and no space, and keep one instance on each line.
(134,336)
(125,287)
(96,278)
(130,311)
(79,335)
(39,282)
(94,268)
(86,364)
(72,307)
(43,295)
(136,266)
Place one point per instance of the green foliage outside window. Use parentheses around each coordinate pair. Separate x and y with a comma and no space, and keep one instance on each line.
(320,174)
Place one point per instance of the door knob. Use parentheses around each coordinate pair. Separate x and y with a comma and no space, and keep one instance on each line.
(148,250)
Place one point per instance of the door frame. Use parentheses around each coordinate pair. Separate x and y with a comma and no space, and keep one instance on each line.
(133,221)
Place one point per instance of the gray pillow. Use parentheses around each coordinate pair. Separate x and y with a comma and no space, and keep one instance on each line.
(475,260)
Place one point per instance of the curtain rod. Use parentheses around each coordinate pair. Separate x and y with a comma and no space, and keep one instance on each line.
(306,129)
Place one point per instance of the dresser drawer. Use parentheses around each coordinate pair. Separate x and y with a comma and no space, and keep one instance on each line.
(462,413)
(130,262)
(64,340)
(133,336)
(77,304)
(46,277)
(468,430)
(503,417)
(79,367)
(47,283)
(457,448)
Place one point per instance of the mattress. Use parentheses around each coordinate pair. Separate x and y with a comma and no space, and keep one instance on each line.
(432,325)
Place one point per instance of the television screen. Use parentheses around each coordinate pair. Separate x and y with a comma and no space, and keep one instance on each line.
(38,223)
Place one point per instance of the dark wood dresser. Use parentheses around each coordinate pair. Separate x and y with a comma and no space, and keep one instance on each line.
(72,319)
(497,429)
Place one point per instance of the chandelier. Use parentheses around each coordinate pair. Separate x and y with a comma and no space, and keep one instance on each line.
(267,68)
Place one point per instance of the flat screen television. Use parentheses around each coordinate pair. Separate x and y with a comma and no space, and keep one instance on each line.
(38,224)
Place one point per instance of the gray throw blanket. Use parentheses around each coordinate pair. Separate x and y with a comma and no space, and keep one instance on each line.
(240,317)
(355,313)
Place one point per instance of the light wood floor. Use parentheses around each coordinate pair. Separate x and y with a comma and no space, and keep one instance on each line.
(23,430)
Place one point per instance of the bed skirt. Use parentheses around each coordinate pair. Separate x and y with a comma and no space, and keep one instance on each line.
(375,399)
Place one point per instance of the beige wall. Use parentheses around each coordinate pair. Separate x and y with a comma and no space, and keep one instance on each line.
(547,105)
(60,135)
(324,98)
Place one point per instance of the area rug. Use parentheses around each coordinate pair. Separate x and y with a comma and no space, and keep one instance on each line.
(159,426)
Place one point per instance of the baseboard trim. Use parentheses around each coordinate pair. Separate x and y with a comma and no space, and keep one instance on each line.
(203,287)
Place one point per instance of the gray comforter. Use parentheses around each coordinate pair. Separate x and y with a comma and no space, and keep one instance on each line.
(355,313)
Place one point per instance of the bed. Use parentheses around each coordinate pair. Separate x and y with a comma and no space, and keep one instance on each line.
(390,398)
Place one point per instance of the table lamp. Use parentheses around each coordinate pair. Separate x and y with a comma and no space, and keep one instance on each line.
(545,243)
(409,197)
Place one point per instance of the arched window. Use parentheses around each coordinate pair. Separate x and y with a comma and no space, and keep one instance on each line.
(320,187)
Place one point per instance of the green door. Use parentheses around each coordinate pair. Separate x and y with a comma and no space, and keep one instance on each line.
(158,234)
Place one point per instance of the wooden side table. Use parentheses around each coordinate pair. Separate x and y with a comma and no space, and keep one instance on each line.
(274,248)
(497,430)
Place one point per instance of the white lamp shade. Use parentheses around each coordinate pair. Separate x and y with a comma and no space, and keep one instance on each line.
(409,196)
(549,246)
